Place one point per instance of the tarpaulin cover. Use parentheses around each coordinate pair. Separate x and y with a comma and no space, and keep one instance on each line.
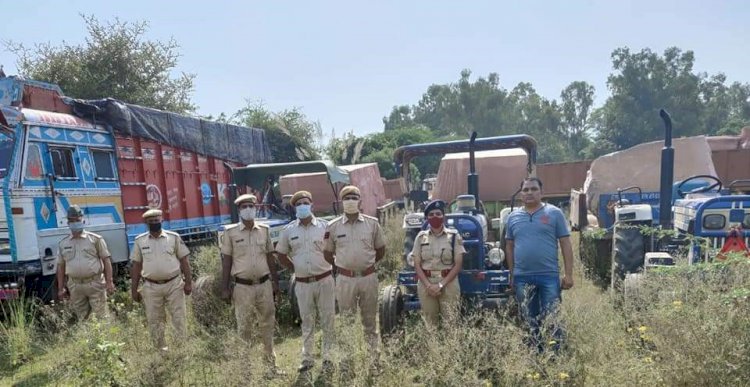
(500,174)
(228,142)
(395,189)
(641,166)
(742,141)
(364,176)
(256,175)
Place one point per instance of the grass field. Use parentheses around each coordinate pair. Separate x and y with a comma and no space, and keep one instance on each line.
(688,327)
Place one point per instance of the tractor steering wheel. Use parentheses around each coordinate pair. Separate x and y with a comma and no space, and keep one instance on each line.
(716,185)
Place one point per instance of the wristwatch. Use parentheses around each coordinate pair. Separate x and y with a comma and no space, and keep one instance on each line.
(440,285)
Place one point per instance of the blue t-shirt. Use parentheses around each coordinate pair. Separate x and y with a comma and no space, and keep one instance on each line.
(535,237)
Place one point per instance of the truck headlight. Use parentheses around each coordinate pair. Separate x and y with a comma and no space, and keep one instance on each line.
(496,256)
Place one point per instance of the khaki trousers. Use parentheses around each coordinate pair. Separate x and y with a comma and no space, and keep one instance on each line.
(255,303)
(316,297)
(444,307)
(362,292)
(160,298)
(88,296)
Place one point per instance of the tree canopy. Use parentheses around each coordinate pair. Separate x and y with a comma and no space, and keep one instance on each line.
(115,61)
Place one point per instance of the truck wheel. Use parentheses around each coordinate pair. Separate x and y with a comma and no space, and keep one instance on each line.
(627,252)
(390,310)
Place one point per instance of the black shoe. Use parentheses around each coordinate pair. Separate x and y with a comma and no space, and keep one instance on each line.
(304,367)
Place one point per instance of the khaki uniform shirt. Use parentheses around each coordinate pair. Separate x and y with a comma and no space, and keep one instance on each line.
(83,255)
(433,252)
(160,255)
(248,248)
(354,243)
(304,247)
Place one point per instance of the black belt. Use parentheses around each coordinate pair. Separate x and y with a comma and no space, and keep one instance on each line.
(314,278)
(252,282)
(160,282)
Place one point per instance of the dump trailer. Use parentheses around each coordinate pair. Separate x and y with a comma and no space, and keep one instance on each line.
(115,160)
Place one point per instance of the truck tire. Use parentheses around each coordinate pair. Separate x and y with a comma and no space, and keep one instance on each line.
(627,252)
(390,310)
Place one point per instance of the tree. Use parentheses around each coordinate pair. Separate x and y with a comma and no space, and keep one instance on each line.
(291,136)
(645,81)
(576,101)
(115,61)
(453,111)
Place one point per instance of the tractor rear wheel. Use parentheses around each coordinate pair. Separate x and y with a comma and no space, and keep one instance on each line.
(627,252)
(391,308)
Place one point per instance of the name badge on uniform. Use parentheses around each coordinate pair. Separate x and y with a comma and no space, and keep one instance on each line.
(146,248)
(340,236)
(293,238)
(68,248)
(239,240)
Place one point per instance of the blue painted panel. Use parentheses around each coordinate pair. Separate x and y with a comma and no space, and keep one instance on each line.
(44,213)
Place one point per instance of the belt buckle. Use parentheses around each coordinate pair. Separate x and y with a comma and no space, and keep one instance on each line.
(358,273)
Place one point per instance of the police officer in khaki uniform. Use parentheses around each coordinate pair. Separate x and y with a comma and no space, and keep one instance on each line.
(159,257)
(85,260)
(438,257)
(248,258)
(300,248)
(356,240)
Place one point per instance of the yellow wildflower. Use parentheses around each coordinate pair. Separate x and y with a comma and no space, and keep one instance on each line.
(563,375)
(552,342)
(642,329)
(648,359)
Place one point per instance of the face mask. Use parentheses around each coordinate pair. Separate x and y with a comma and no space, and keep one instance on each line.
(303,211)
(247,213)
(154,227)
(351,206)
(435,222)
(76,226)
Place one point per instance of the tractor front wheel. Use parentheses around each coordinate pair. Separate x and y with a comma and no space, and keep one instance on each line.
(391,308)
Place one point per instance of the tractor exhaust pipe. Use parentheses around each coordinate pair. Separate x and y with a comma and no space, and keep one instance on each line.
(473,182)
(667,174)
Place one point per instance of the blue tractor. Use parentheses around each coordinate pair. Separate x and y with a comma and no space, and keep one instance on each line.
(484,279)
(705,221)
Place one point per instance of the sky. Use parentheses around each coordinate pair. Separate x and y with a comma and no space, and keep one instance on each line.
(346,64)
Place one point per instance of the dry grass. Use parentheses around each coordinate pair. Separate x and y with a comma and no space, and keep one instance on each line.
(688,327)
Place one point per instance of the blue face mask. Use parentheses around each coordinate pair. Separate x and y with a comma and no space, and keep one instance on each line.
(304,211)
(76,226)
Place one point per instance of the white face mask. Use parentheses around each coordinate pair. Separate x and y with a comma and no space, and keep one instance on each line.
(304,211)
(351,206)
(247,213)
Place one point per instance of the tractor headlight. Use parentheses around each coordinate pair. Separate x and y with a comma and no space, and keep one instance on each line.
(496,256)
(410,259)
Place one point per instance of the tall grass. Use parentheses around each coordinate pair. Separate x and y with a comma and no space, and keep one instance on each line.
(16,333)
(685,327)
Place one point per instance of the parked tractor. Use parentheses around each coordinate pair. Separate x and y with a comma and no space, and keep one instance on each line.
(703,222)
(484,279)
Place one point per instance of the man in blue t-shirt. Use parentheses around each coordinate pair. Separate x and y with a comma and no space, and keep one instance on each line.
(532,235)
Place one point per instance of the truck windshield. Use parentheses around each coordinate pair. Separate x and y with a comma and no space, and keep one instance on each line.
(6,147)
